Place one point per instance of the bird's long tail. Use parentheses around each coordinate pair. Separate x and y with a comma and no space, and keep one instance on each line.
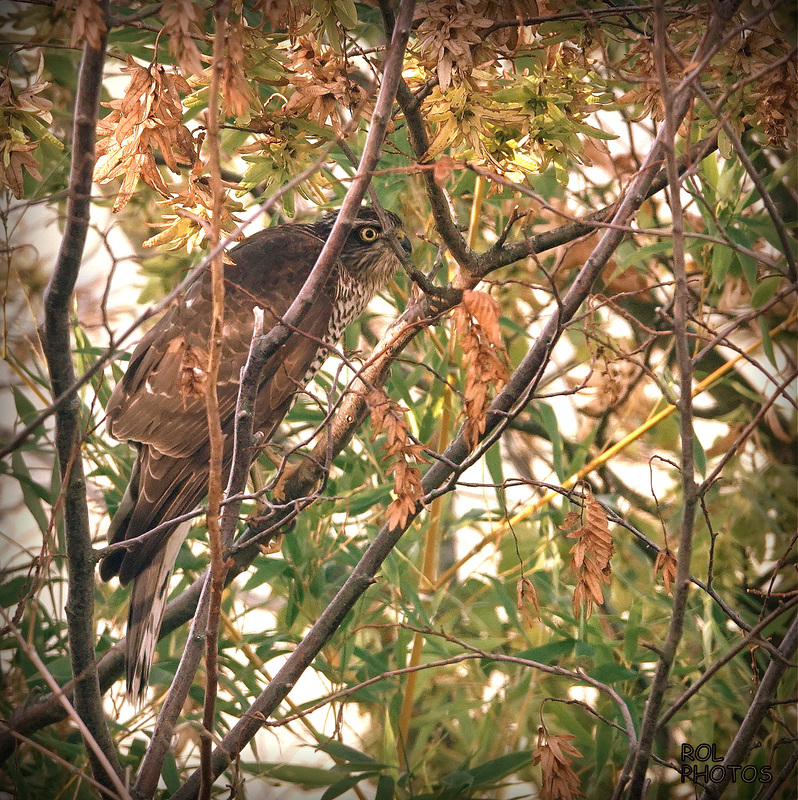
(148,596)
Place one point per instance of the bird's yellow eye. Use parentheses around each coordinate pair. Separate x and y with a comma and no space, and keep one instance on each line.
(369,234)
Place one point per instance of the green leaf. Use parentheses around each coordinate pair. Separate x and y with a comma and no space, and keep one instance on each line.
(765,290)
(32,492)
(493,461)
(594,133)
(348,754)
(548,420)
(26,410)
(266,571)
(767,342)
(722,258)
(549,653)
(725,147)
(494,770)
(457,782)
(298,774)
(337,789)
(170,774)
(612,673)
(632,632)
(605,736)
(748,263)
(385,788)
(12,591)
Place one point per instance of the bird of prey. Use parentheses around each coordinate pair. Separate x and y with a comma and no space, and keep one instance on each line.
(159,405)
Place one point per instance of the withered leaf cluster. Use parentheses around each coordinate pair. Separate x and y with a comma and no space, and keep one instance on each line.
(554,754)
(452,34)
(87,23)
(477,324)
(388,416)
(181,25)
(148,118)
(590,556)
(323,84)
(23,115)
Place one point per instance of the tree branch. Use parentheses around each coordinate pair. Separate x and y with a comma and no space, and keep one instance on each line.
(760,705)
(676,104)
(57,351)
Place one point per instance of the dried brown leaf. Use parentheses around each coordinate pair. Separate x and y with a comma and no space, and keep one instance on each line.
(181,25)
(559,781)
(486,311)
(477,323)
(525,595)
(408,492)
(666,562)
(88,24)
(147,118)
(591,554)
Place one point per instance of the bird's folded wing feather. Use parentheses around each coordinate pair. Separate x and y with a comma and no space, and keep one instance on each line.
(160,401)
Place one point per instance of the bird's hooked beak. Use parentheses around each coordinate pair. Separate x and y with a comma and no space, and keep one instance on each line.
(401,237)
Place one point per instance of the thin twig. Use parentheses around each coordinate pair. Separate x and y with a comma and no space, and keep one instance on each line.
(215,436)
(676,104)
(109,772)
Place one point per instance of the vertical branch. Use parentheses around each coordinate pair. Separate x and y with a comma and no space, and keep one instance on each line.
(57,351)
(684,405)
(216,438)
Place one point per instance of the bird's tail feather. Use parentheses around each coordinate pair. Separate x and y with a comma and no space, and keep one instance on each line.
(148,598)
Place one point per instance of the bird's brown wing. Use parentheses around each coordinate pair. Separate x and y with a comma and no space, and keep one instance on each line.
(160,406)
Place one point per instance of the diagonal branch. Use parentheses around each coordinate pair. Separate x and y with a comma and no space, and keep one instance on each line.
(760,706)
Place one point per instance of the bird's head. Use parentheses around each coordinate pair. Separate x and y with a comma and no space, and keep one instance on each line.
(368,254)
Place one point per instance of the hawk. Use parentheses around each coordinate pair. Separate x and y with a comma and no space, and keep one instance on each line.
(159,405)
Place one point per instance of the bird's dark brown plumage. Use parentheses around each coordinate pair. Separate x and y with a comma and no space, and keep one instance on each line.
(159,405)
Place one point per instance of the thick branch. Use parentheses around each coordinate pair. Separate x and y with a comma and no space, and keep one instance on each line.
(57,350)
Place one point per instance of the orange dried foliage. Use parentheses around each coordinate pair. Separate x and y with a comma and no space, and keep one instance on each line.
(181,25)
(148,117)
(388,416)
(237,97)
(477,324)
(323,83)
(525,595)
(88,23)
(554,754)
(666,562)
(590,556)
(283,14)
